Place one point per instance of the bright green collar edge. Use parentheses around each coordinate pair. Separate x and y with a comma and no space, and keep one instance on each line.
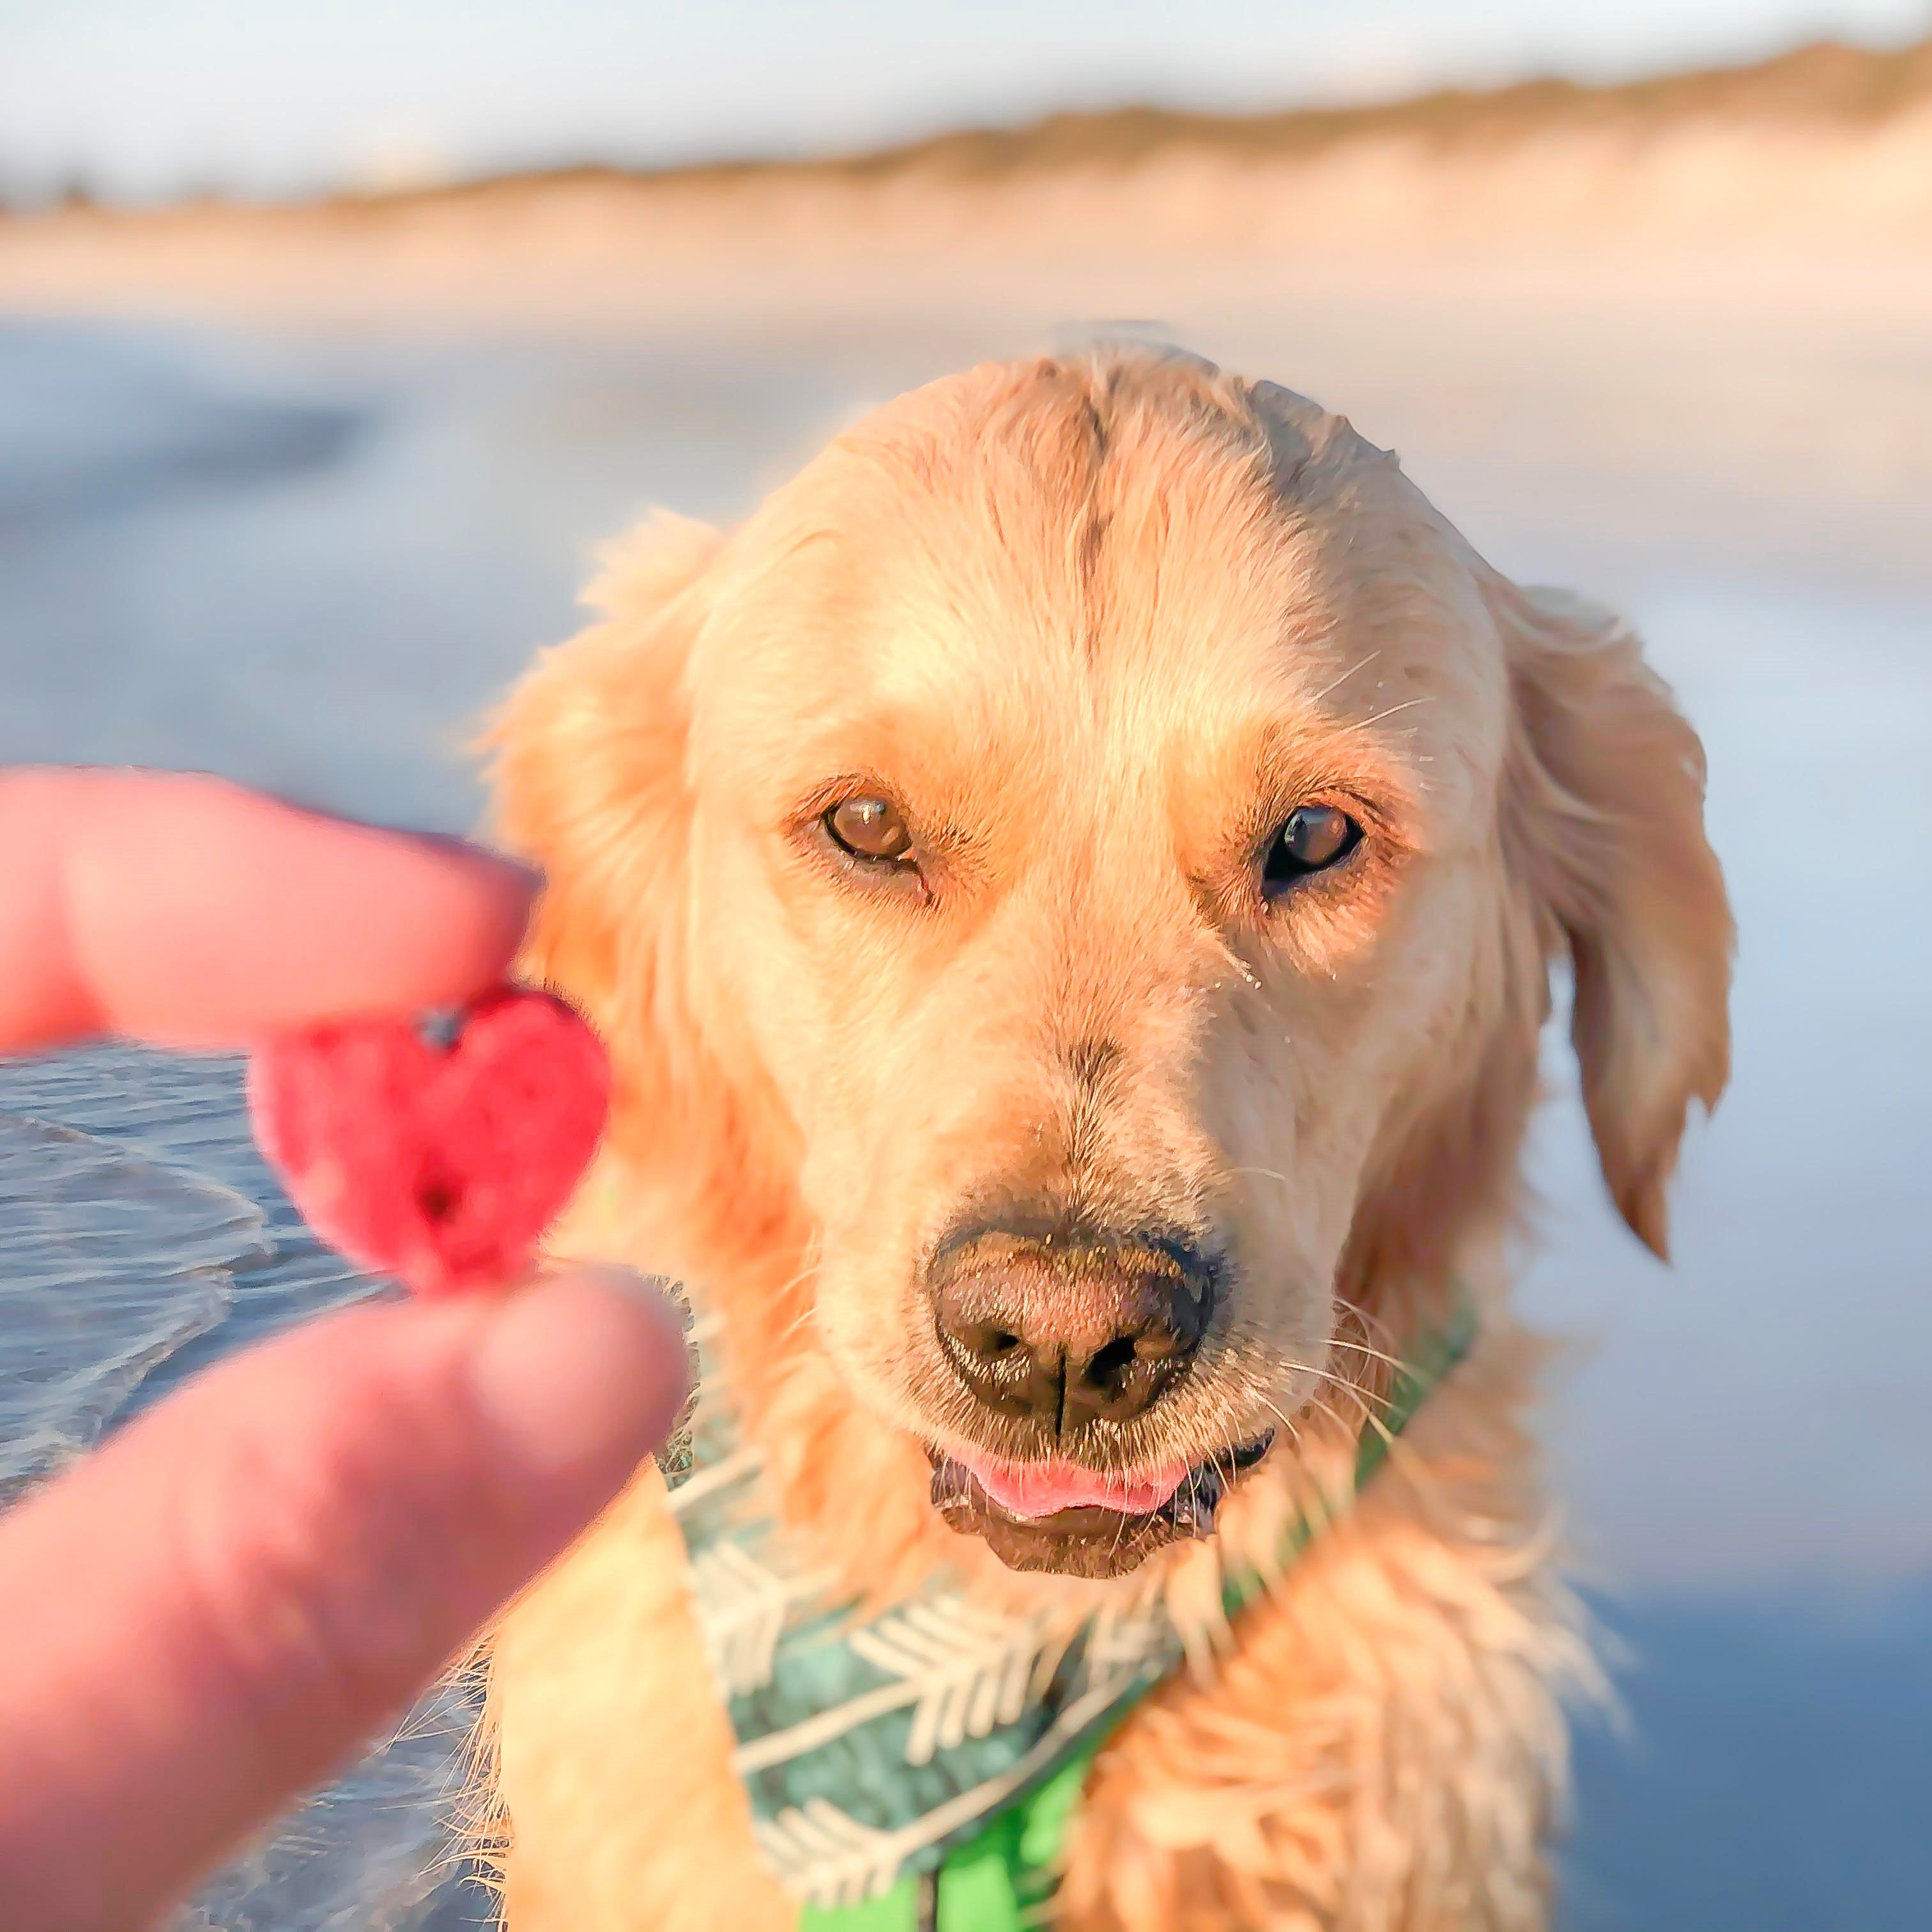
(1001,1880)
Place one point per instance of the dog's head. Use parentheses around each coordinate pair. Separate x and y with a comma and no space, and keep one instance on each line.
(1080,865)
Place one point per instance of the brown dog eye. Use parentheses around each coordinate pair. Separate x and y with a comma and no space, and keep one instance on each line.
(1314,837)
(869,828)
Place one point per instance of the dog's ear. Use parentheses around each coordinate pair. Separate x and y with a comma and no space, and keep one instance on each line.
(588,771)
(1604,821)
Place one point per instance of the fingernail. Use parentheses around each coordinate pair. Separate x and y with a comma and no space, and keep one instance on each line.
(583,1374)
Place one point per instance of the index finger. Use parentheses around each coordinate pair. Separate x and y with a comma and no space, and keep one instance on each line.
(184,909)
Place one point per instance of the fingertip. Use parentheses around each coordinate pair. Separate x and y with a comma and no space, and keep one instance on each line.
(581,1374)
(216,914)
(499,888)
(388,919)
(188,909)
(251,1578)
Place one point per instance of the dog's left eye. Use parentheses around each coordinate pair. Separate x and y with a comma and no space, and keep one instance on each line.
(869,828)
(1312,838)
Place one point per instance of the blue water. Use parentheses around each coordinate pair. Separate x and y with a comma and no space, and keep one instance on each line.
(309,561)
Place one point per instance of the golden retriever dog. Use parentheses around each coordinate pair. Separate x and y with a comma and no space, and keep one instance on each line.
(1070,888)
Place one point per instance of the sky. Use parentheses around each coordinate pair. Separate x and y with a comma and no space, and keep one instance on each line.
(143,99)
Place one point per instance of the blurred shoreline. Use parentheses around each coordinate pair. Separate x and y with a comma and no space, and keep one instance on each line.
(1804,181)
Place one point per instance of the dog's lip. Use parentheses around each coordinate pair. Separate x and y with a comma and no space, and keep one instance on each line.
(1030,1490)
(1053,1493)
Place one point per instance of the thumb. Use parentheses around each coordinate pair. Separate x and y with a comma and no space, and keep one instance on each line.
(208,1615)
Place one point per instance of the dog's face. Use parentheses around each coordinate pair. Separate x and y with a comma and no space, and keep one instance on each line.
(1101,852)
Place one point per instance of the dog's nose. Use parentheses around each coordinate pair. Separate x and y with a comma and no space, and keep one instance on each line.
(1067,1334)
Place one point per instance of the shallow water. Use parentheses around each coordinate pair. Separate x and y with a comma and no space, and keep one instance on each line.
(158,1251)
(308,563)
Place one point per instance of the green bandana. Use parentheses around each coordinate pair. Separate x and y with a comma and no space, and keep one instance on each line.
(919,1768)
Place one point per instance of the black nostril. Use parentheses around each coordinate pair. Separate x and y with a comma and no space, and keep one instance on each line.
(1005,1367)
(1158,1331)
(1114,1360)
(981,1339)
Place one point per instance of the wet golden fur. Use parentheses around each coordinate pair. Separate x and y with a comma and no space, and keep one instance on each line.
(1098,623)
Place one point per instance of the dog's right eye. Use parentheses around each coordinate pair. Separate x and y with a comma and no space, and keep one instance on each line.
(872,829)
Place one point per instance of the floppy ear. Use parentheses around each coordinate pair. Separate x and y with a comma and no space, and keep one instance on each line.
(1604,818)
(589,776)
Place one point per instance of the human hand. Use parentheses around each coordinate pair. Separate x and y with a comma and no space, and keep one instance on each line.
(207,1615)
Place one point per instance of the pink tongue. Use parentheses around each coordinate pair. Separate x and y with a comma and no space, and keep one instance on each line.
(1042,1488)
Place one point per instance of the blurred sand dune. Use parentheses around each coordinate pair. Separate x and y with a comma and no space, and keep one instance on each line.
(1804,180)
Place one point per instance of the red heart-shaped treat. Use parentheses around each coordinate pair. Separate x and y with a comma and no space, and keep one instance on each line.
(442,1165)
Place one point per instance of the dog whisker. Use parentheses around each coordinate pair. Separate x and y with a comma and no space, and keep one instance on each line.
(1362,1348)
(1266,1173)
(1335,684)
(1407,704)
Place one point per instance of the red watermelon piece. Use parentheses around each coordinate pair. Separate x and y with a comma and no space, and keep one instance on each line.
(440,1163)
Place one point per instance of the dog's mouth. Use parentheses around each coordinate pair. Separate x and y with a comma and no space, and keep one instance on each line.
(1062,1516)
